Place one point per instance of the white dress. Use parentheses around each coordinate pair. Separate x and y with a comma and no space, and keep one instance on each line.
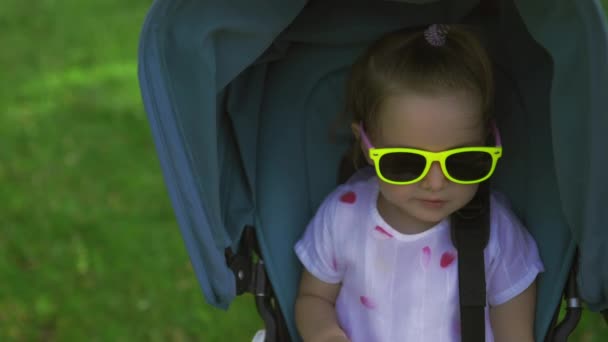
(398,287)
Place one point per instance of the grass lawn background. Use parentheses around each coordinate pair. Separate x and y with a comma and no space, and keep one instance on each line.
(89,246)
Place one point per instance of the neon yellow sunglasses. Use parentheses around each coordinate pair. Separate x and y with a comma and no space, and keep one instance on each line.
(465,165)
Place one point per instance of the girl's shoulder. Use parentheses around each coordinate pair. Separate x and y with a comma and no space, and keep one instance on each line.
(501,210)
(338,212)
(507,231)
(512,258)
(353,193)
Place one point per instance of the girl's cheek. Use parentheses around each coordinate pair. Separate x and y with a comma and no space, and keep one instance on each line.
(397,190)
(393,193)
(468,191)
(399,196)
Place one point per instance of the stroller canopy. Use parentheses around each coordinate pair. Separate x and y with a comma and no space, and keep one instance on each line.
(243,99)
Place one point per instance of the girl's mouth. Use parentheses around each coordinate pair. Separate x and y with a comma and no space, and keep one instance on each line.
(433,203)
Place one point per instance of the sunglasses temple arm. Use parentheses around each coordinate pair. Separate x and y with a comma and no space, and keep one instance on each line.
(364,137)
(496,134)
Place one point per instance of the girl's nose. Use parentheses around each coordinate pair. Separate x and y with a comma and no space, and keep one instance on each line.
(434,180)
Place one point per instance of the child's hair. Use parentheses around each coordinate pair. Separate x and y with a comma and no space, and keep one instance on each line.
(405,61)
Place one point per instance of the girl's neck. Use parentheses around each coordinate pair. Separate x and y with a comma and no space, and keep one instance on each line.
(399,220)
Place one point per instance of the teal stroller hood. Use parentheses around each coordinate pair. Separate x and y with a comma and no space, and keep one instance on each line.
(243,99)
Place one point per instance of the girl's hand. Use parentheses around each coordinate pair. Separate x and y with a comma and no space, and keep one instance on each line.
(334,336)
(337,339)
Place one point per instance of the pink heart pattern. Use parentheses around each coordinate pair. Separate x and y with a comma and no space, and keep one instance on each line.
(383,232)
(349,197)
(447,259)
(368,303)
(425,257)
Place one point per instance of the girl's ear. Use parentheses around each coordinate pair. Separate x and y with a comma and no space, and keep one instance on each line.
(357,133)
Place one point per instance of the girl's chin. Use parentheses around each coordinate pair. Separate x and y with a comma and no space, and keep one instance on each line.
(431,216)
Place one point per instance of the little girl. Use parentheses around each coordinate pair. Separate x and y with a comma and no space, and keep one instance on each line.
(378,257)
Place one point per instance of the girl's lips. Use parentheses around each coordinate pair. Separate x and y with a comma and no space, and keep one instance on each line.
(433,203)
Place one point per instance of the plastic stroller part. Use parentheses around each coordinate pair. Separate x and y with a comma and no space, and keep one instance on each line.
(574,309)
(250,275)
(260,336)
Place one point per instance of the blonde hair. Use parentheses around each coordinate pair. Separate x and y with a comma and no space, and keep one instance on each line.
(404,61)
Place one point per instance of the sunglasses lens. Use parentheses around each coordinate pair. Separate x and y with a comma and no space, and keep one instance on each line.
(401,167)
(469,166)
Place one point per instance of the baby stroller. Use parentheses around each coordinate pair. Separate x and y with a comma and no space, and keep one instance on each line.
(243,99)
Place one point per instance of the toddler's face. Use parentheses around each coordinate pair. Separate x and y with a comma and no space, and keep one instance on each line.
(432,122)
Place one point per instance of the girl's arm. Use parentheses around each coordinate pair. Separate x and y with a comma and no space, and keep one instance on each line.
(514,320)
(315,310)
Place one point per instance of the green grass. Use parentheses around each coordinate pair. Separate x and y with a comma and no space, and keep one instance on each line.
(89,246)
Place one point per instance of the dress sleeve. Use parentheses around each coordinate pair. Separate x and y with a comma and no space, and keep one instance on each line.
(514,258)
(317,247)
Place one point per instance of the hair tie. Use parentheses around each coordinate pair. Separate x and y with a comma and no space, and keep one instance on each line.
(436,34)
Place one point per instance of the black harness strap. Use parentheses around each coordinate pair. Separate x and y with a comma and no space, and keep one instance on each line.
(470,233)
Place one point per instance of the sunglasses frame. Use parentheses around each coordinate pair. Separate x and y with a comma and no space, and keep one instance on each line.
(376,154)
